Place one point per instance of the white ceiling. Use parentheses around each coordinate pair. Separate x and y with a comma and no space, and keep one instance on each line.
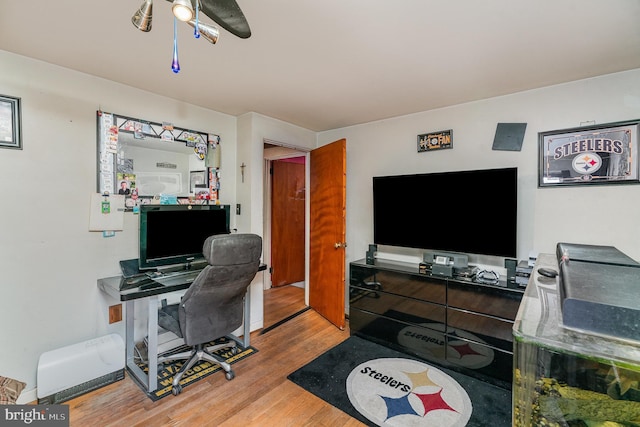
(327,64)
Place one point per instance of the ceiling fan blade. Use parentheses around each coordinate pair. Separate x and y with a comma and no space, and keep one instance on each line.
(228,15)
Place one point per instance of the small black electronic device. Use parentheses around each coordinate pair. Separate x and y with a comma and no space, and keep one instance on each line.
(458,261)
(442,270)
(510,265)
(424,268)
(467,273)
(371,254)
(547,272)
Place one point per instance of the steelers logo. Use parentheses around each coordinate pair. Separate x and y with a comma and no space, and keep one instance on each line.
(586,163)
(463,348)
(407,393)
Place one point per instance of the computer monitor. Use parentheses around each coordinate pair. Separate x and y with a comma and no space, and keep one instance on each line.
(174,234)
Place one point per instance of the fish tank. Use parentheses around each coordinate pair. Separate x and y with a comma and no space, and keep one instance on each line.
(567,376)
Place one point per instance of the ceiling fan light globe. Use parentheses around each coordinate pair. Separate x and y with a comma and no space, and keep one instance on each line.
(182,10)
(142,18)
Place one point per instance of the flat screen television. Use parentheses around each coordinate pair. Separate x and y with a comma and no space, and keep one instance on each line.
(469,212)
(174,234)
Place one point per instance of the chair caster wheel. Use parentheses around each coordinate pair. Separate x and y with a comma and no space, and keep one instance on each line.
(235,351)
(229,375)
(176,390)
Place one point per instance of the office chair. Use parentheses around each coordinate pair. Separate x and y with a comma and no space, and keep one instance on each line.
(213,306)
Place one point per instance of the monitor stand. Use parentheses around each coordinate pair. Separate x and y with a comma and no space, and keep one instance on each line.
(188,266)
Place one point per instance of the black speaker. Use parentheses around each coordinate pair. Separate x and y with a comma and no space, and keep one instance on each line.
(509,136)
(371,254)
(510,265)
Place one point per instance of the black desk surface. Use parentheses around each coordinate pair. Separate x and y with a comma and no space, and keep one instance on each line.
(114,287)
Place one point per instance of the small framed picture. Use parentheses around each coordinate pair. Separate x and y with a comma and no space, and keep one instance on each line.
(10,123)
(198,180)
(589,155)
(435,141)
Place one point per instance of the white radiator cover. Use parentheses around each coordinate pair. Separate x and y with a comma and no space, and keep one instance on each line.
(78,368)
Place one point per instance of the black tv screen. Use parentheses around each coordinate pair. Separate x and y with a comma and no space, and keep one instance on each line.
(175,234)
(470,212)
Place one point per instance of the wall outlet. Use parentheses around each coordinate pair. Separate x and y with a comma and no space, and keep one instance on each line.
(115,313)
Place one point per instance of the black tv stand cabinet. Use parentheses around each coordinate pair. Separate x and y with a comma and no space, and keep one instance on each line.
(453,322)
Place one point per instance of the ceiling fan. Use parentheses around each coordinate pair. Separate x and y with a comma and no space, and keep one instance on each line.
(225,13)
(228,15)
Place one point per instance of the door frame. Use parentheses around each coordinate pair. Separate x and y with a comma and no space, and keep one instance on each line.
(289,151)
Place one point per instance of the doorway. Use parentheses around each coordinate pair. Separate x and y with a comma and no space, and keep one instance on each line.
(285,204)
(324,232)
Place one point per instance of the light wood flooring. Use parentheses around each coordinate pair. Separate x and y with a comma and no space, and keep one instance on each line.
(259,395)
(282,302)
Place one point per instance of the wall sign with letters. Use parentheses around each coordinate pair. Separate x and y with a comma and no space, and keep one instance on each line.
(435,140)
(589,155)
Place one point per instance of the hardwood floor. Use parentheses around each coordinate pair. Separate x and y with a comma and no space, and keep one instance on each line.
(259,395)
(281,302)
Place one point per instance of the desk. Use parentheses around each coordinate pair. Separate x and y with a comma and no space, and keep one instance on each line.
(132,296)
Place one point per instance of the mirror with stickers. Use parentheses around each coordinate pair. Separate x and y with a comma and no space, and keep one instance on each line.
(144,160)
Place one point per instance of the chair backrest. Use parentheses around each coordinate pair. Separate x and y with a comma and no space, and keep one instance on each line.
(213,305)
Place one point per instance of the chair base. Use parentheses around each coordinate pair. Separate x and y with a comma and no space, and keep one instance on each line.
(196,354)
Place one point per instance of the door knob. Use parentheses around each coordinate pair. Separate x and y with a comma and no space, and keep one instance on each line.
(339,245)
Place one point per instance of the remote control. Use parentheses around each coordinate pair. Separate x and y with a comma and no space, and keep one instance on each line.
(547,272)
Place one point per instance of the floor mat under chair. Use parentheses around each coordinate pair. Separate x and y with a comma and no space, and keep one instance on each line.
(197,372)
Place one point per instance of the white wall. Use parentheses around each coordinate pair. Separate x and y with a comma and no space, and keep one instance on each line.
(49,261)
(603,215)
(253,129)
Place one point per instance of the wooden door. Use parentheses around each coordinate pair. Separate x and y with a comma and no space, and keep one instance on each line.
(287,221)
(328,231)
